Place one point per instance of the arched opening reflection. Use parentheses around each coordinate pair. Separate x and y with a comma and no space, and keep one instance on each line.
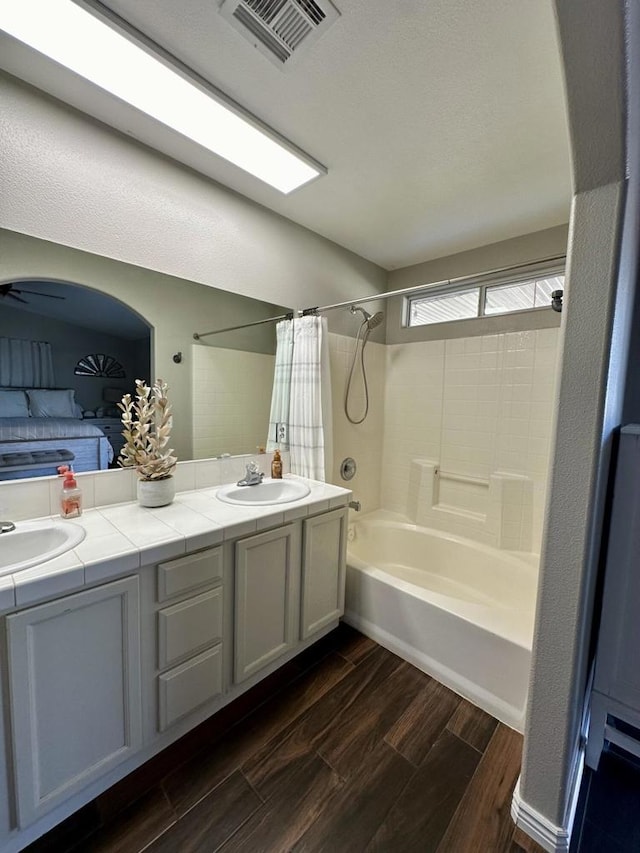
(67,355)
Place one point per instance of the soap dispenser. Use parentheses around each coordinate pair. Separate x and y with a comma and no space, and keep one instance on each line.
(276,466)
(70,497)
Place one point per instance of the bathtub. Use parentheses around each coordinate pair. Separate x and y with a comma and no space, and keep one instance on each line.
(461,611)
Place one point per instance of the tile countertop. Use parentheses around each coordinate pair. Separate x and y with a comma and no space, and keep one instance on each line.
(123,537)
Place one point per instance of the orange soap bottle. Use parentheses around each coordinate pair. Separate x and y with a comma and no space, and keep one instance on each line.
(70,497)
(276,466)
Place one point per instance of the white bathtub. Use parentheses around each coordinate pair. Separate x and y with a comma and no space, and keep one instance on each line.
(460,611)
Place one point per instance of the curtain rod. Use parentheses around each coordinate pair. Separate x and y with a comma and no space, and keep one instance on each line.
(305,312)
(198,335)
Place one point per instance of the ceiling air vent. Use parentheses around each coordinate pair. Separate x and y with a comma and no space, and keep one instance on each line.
(280,29)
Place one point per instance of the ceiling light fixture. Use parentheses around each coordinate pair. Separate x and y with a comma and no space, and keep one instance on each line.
(91,47)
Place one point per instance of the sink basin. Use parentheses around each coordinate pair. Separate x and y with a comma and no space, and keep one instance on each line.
(267,492)
(34,542)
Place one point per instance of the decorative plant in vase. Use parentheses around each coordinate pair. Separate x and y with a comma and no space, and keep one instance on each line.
(146,422)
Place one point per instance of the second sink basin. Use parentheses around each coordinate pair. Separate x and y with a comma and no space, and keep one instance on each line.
(267,492)
(34,542)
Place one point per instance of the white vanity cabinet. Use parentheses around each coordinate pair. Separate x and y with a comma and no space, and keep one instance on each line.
(289,585)
(267,596)
(75,692)
(324,561)
(190,626)
(96,682)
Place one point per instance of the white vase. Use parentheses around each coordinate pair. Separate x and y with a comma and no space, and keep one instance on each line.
(156,492)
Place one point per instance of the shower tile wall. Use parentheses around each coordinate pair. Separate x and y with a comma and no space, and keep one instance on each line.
(231,400)
(412,415)
(363,442)
(473,405)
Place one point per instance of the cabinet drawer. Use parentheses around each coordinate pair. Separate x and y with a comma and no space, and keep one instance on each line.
(186,687)
(187,573)
(189,626)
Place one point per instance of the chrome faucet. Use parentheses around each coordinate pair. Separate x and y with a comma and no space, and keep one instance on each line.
(7,526)
(252,476)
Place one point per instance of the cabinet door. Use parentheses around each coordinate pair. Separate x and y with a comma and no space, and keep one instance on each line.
(323,570)
(267,595)
(74,670)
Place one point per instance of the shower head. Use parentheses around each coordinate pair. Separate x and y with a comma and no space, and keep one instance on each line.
(371,321)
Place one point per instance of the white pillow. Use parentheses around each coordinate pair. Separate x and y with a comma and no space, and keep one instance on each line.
(44,403)
(13,404)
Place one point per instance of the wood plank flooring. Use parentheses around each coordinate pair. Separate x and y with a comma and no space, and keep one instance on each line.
(358,752)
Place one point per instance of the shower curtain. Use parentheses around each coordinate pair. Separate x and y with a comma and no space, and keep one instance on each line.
(308,409)
(310,404)
(281,393)
(26,364)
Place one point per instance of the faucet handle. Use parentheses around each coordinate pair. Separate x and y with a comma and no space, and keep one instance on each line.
(252,476)
(7,526)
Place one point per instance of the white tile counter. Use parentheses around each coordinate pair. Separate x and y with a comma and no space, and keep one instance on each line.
(125,536)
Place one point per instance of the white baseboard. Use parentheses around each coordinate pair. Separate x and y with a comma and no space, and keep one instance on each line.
(554,838)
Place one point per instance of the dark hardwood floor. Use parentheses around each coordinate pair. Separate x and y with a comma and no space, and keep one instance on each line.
(358,751)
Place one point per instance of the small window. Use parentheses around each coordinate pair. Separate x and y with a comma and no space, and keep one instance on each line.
(444,307)
(504,298)
(469,302)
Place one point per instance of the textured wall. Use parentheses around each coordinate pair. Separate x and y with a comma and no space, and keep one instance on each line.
(571,546)
(601,276)
(70,180)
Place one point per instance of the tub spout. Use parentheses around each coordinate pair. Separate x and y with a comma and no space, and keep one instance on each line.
(355,505)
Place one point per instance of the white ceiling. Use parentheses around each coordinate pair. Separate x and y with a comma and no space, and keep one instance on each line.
(442,123)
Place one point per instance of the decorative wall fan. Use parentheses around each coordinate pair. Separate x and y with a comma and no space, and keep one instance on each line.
(100,365)
(13,292)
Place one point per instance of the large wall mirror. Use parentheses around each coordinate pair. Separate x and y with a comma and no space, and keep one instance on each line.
(99,343)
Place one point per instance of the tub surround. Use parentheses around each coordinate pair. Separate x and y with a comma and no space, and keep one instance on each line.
(155,621)
(497,511)
(476,406)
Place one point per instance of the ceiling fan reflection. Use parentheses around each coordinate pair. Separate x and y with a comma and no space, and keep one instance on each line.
(11,291)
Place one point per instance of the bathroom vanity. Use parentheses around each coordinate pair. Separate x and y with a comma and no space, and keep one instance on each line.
(159,618)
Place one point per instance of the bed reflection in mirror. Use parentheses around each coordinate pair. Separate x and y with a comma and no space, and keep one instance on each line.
(52,414)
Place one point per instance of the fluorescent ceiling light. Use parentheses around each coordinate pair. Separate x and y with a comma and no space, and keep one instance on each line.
(85,44)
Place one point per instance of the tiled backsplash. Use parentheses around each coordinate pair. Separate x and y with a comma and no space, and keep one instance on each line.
(40,496)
